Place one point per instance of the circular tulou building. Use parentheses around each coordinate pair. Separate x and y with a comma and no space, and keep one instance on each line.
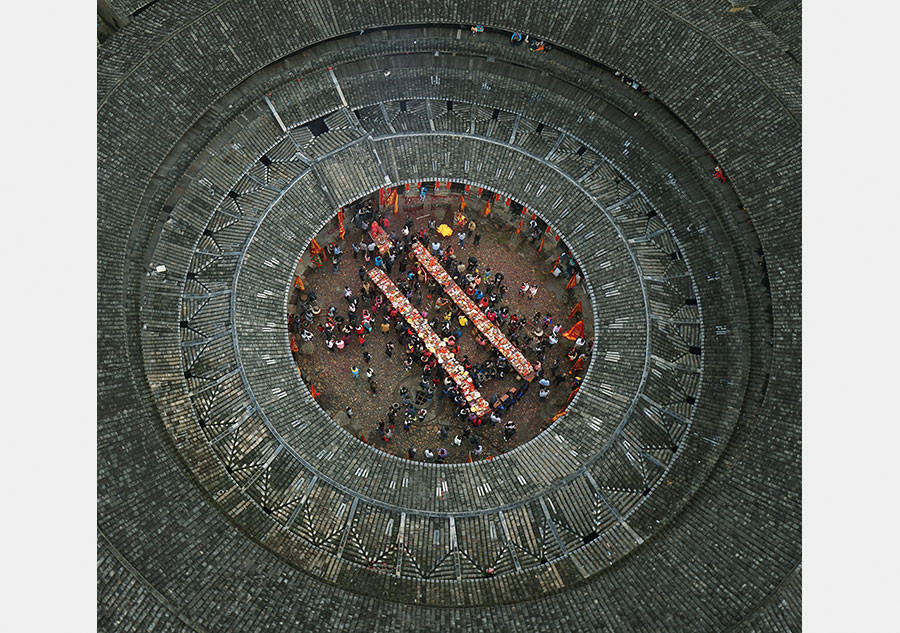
(654,146)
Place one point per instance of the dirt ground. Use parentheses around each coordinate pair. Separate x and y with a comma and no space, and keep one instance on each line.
(500,250)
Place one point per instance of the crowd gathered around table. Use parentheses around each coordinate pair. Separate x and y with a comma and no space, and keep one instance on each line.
(433,344)
(491,332)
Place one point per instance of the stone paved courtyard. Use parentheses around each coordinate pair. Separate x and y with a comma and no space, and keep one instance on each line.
(500,250)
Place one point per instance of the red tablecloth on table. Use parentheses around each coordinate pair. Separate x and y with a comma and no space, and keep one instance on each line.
(432,341)
(490,331)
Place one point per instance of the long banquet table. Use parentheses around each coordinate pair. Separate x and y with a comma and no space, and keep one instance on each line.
(490,331)
(433,343)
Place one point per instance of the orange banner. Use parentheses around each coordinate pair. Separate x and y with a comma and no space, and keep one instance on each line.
(318,250)
(578,366)
(575,331)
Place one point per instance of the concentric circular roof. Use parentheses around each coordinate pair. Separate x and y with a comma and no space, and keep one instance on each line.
(667,497)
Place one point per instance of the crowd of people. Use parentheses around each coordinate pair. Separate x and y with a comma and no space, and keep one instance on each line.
(366,321)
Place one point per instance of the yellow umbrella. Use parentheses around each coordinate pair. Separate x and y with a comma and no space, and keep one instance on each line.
(445,230)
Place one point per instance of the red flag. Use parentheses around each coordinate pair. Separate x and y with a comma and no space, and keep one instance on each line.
(312,390)
(572,282)
(561,413)
(299,283)
(519,228)
(318,250)
(341,230)
(541,247)
(575,310)
(487,209)
(294,347)
(578,366)
(572,395)
(381,197)
(575,331)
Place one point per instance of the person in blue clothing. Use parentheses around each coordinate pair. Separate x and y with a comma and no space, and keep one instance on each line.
(521,392)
